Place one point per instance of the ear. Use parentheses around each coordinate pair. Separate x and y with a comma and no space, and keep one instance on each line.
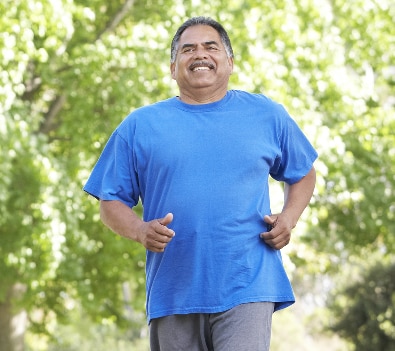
(230,61)
(173,70)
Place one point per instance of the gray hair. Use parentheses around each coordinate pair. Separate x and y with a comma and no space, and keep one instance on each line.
(201,21)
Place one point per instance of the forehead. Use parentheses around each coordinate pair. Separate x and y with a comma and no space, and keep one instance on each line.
(199,34)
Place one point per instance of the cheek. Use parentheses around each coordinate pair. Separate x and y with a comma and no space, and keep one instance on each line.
(176,69)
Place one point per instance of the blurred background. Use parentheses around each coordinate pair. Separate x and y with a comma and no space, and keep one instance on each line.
(71,70)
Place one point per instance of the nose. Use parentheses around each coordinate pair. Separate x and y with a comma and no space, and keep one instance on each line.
(200,53)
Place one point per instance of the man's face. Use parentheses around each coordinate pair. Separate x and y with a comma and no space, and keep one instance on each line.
(201,61)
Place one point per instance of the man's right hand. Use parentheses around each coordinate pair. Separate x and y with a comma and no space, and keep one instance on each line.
(155,235)
(121,219)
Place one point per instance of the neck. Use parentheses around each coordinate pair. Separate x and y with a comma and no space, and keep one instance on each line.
(198,98)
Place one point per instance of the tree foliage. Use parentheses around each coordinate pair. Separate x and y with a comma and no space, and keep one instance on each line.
(355,208)
(364,311)
(72,69)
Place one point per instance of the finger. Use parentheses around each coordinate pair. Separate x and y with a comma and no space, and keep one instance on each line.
(156,249)
(159,243)
(166,219)
(159,247)
(270,219)
(275,244)
(272,232)
(276,241)
(280,245)
(162,229)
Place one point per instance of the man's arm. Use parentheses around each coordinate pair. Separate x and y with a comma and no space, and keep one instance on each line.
(153,235)
(296,198)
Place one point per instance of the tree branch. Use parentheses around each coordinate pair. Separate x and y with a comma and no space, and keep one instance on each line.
(49,123)
(112,24)
(32,84)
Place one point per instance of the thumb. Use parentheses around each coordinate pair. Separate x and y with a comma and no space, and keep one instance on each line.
(270,219)
(166,219)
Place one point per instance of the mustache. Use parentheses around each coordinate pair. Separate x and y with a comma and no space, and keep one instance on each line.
(201,64)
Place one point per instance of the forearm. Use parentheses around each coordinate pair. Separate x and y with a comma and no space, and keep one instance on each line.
(153,235)
(121,219)
(298,195)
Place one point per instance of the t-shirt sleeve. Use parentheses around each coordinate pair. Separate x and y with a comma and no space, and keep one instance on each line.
(297,154)
(114,176)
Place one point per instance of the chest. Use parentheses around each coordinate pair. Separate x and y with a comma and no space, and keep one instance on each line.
(206,142)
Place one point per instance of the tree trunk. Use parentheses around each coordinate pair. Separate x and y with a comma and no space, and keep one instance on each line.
(12,321)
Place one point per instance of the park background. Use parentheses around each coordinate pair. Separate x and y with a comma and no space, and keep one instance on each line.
(71,70)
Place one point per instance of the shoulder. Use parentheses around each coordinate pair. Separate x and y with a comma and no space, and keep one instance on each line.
(143,120)
(259,104)
(241,96)
(147,112)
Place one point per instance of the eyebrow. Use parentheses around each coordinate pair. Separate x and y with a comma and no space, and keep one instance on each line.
(206,43)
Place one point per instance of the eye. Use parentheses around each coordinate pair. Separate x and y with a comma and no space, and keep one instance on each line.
(188,49)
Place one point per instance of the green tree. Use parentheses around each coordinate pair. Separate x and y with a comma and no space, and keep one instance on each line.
(72,69)
(355,206)
(364,310)
(66,72)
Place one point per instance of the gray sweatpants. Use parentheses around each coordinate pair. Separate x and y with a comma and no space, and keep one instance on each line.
(246,327)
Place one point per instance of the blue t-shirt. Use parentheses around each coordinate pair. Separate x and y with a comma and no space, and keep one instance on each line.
(209,165)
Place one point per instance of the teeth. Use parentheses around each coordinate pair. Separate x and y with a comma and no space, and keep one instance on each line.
(201,69)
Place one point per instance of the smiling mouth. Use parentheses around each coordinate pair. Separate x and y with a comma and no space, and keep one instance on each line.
(200,69)
(201,66)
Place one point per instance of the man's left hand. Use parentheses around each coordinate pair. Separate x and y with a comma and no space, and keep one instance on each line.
(280,234)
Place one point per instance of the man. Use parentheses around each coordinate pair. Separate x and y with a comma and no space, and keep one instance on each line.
(200,163)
